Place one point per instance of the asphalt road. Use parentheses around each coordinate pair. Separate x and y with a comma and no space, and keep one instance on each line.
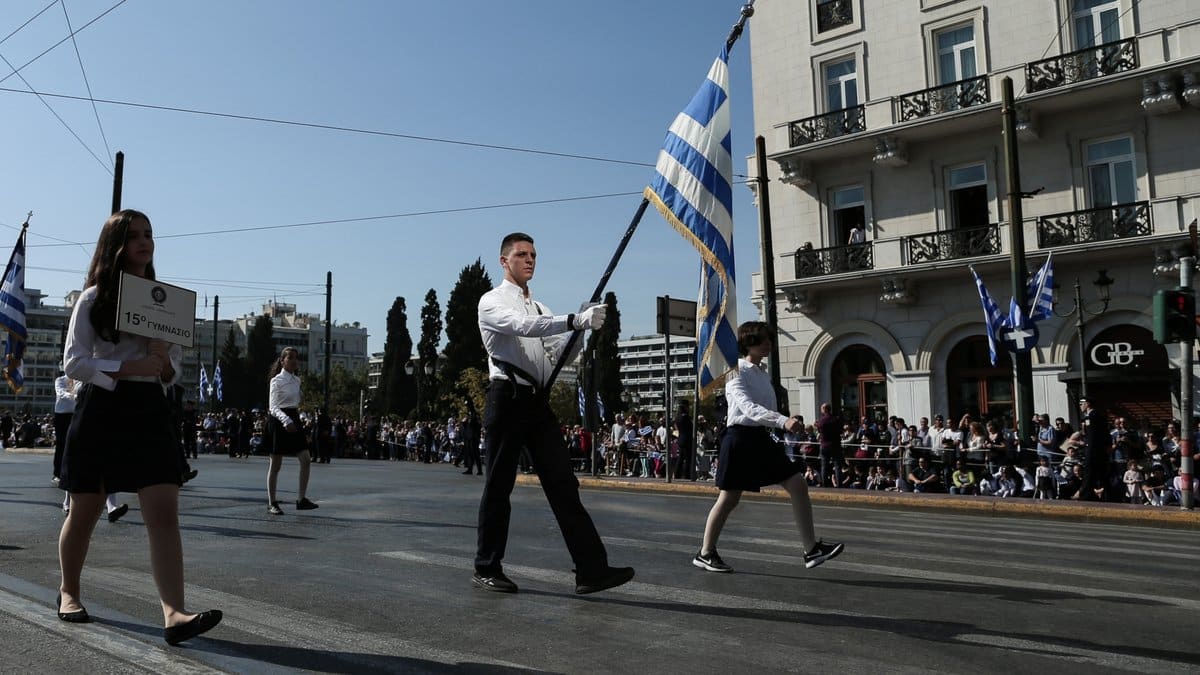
(378,580)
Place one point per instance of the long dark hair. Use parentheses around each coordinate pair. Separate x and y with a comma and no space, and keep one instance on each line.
(105,271)
(278,365)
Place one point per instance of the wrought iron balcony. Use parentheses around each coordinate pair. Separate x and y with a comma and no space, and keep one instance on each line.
(1078,66)
(829,125)
(816,262)
(944,98)
(834,14)
(1103,224)
(952,244)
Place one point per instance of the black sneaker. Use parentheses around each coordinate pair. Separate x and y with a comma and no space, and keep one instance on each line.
(274,509)
(711,562)
(609,577)
(305,505)
(115,514)
(494,582)
(820,553)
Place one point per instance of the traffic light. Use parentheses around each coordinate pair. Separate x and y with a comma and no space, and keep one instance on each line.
(1174,316)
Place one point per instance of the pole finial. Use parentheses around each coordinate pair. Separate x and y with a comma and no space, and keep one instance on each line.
(25,225)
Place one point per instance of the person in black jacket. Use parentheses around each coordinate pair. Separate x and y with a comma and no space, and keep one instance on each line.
(1095,432)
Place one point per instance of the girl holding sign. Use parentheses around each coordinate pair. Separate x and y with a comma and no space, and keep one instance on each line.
(121,439)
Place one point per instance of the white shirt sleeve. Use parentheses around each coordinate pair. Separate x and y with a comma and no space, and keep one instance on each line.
(496,316)
(79,361)
(741,400)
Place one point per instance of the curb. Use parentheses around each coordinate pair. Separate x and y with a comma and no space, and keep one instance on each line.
(1086,512)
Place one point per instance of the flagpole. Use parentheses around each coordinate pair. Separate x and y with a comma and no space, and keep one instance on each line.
(734,34)
(1022,361)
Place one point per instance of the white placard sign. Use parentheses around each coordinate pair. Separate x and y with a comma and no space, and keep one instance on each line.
(156,310)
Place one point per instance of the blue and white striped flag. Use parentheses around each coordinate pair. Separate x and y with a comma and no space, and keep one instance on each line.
(692,188)
(203,385)
(12,316)
(582,404)
(992,318)
(600,408)
(217,385)
(1040,294)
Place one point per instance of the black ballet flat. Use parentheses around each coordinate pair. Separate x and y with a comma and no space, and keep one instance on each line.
(78,616)
(201,623)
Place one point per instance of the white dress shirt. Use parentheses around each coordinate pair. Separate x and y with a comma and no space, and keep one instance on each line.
(285,393)
(520,330)
(751,397)
(89,358)
(64,394)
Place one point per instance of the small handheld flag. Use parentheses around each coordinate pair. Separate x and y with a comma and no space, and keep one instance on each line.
(203,385)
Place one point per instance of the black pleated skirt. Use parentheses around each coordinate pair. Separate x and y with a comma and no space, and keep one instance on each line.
(282,441)
(751,459)
(121,440)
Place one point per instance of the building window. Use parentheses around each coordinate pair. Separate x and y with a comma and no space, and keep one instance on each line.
(849,212)
(1095,22)
(834,14)
(956,54)
(967,196)
(1110,174)
(860,383)
(974,386)
(841,85)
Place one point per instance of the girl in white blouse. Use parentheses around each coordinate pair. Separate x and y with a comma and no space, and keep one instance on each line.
(121,437)
(286,429)
(751,458)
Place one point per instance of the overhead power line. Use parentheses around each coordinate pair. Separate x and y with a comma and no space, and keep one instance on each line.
(29,21)
(79,58)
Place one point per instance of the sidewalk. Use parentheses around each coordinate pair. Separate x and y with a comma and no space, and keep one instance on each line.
(1093,512)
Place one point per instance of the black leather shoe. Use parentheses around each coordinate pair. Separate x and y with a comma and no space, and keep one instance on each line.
(494,582)
(201,623)
(610,577)
(78,616)
(115,514)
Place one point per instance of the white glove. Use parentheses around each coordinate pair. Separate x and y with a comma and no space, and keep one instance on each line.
(591,317)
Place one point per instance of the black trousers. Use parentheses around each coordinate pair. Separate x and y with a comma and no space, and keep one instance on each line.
(514,419)
(470,454)
(683,465)
(62,422)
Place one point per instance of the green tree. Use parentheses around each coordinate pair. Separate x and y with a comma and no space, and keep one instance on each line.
(396,394)
(233,372)
(260,356)
(464,344)
(345,390)
(427,350)
(564,401)
(602,346)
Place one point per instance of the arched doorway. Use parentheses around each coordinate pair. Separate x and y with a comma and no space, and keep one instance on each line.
(974,386)
(860,383)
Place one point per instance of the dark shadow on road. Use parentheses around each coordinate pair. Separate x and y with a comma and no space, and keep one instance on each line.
(1014,593)
(325,661)
(11,548)
(917,629)
(236,533)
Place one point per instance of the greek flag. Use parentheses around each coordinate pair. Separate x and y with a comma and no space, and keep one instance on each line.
(217,382)
(692,188)
(1040,294)
(992,318)
(12,316)
(582,404)
(600,408)
(203,385)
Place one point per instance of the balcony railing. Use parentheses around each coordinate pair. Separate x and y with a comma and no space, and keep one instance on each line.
(834,14)
(1078,66)
(952,244)
(1103,224)
(816,262)
(829,125)
(944,98)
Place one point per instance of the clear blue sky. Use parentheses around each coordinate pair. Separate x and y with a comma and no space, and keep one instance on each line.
(596,79)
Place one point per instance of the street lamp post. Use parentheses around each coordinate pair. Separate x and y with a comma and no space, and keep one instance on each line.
(410,368)
(1081,312)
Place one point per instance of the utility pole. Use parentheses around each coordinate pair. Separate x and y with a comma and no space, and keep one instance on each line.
(1022,361)
(118,173)
(768,257)
(212,398)
(1186,427)
(329,334)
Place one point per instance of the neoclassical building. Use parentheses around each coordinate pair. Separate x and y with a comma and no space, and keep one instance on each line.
(887,179)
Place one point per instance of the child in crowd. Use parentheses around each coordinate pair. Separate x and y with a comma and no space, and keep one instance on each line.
(962,480)
(1133,482)
(1006,486)
(1045,479)
(1155,487)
